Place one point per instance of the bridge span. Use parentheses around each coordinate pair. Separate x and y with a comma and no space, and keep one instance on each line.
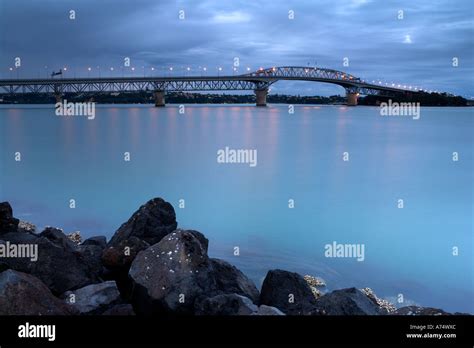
(258,81)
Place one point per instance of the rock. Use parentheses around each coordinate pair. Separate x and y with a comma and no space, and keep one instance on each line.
(7,222)
(386,306)
(349,301)
(92,256)
(60,265)
(229,279)
(120,310)
(57,236)
(416,310)
(26,227)
(150,223)
(93,299)
(173,274)
(268,310)
(23,294)
(120,256)
(228,304)
(75,237)
(289,292)
(97,240)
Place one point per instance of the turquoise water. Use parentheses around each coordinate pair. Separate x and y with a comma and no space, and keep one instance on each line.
(300,156)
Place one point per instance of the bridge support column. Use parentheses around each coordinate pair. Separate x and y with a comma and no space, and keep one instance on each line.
(159,98)
(261,96)
(352,98)
(59,97)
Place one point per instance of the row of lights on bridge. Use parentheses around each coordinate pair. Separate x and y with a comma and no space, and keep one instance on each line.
(219,69)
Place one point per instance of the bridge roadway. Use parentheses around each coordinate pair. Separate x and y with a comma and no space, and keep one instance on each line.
(258,81)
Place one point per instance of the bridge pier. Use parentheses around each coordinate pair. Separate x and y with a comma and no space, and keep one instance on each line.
(261,96)
(59,97)
(159,98)
(352,98)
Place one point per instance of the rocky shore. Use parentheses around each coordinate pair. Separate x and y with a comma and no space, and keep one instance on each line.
(151,267)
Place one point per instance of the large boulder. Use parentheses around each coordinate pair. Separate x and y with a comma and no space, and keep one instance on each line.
(349,301)
(151,222)
(120,310)
(228,304)
(289,292)
(173,274)
(23,294)
(7,222)
(94,298)
(60,264)
(148,225)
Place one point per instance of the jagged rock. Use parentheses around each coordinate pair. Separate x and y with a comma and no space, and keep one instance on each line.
(7,222)
(23,294)
(75,237)
(93,299)
(228,304)
(100,241)
(268,310)
(120,309)
(60,264)
(349,301)
(385,305)
(416,310)
(289,292)
(172,274)
(150,223)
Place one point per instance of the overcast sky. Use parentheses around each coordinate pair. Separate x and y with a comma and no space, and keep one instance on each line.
(417,50)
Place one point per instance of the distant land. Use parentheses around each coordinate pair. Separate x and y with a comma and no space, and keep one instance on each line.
(146,97)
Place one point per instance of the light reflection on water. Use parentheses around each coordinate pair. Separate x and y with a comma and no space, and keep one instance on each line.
(299,157)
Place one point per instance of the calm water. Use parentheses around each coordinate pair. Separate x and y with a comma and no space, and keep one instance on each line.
(407,251)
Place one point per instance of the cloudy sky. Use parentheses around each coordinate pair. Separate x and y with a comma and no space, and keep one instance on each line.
(408,42)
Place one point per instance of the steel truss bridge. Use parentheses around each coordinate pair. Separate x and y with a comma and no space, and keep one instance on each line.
(258,81)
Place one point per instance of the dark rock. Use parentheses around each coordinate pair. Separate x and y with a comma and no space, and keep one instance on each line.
(57,236)
(120,256)
(268,310)
(150,223)
(349,301)
(7,222)
(97,240)
(172,274)
(228,304)
(289,292)
(92,255)
(93,299)
(60,264)
(120,310)
(416,310)
(23,294)
(229,279)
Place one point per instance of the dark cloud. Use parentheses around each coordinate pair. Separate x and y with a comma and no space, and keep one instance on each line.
(417,50)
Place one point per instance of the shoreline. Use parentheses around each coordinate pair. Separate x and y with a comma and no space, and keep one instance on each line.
(151,267)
